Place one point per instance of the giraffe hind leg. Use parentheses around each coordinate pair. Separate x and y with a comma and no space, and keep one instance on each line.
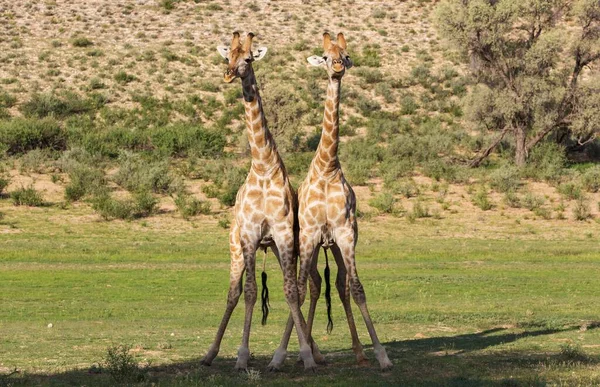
(358,293)
(342,284)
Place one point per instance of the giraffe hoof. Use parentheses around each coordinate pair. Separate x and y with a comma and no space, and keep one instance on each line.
(273,367)
(364,362)
(205,362)
(387,367)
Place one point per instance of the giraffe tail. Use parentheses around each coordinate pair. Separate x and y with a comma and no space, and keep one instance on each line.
(264,296)
(328,293)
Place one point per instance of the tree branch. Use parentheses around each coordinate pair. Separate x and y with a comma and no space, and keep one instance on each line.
(476,161)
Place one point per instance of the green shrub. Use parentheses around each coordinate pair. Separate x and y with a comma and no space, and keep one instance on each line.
(419,210)
(121,365)
(4,182)
(581,210)
(512,199)
(384,202)
(369,58)
(481,199)
(143,204)
(234,178)
(58,105)
(367,105)
(591,179)
(27,197)
(189,206)
(547,162)
(24,134)
(7,100)
(532,201)
(137,174)
(370,76)
(505,179)
(35,161)
(407,188)
(124,78)
(81,41)
(570,191)
(183,139)
(408,105)
(84,180)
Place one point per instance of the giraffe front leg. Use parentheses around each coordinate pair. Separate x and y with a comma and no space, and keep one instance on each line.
(250,293)
(358,293)
(235,289)
(295,296)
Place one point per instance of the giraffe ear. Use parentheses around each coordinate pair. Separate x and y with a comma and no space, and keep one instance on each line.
(315,60)
(259,53)
(224,51)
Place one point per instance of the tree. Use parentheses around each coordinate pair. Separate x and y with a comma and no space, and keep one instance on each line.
(529,58)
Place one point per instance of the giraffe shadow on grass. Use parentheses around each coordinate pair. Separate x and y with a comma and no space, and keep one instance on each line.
(461,360)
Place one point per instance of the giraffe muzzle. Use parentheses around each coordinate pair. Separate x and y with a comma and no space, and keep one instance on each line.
(338,66)
(229,76)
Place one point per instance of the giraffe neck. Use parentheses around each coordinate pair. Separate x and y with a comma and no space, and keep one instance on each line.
(265,157)
(326,158)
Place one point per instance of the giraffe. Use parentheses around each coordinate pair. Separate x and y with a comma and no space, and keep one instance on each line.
(327,216)
(264,212)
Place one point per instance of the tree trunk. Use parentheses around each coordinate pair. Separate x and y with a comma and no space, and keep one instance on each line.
(483,155)
(521,148)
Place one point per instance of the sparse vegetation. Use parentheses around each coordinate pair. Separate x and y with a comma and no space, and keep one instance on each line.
(27,196)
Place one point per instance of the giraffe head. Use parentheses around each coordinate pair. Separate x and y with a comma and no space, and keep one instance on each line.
(335,58)
(240,56)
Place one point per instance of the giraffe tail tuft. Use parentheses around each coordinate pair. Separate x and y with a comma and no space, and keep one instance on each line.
(327,275)
(264,298)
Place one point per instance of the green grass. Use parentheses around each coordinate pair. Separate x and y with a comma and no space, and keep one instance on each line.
(467,310)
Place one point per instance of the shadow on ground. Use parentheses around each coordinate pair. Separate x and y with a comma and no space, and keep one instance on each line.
(437,361)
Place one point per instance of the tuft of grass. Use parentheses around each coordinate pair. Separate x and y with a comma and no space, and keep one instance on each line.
(121,365)
(27,197)
(4,182)
(581,210)
(81,41)
(481,199)
(570,191)
(505,179)
(123,78)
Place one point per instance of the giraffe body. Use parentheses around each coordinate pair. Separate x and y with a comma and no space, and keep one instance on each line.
(264,213)
(327,217)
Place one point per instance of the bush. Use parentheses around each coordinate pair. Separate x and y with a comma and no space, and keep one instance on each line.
(4,182)
(384,202)
(408,105)
(570,191)
(27,197)
(591,179)
(7,100)
(481,199)
(84,180)
(547,162)
(137,174)
(121,365)
(505,179)
(189,206)
(418,211)
(59,106)
(183,139)
(532,201)
(581,210)
(81,41)
(24,134)
(142,205)
(406,188)
(512,199)
(123,78)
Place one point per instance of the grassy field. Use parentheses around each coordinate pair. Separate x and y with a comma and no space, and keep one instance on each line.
(473,277)
(507,306)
